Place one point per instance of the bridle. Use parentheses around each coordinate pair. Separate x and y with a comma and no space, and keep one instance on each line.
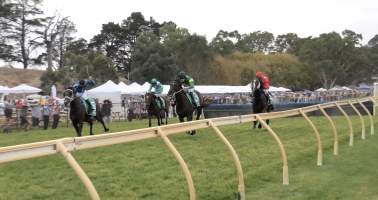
(68,98)
(172,97)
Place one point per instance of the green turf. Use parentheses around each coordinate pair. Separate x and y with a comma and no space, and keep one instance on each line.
(147,170)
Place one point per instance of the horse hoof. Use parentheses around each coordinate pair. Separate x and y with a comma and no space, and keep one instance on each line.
(107,130)
(192,132)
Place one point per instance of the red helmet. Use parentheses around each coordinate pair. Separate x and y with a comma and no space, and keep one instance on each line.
(259,74)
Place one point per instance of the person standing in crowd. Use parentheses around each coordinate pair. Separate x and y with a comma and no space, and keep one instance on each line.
(19,104)
(23,116)
(106,111)
(8,111)
(56,114)
(36,115)
(46,116)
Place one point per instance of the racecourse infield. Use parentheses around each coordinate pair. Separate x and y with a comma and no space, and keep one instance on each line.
(146,170)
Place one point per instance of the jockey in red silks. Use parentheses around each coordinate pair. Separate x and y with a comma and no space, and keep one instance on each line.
(264,85)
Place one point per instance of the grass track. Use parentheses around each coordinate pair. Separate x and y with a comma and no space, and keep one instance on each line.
(146,170)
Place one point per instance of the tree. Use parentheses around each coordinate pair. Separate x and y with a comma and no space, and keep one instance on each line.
(152,60)
(333,58)
(57,31)
(77,47)
(373,42)
(103,69)
(66,29)
(21,25)
(256,42)
(195,57)
(285,43)
(112,41)
(118,41)
(224,42)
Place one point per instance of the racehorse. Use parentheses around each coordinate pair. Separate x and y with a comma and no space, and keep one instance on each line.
(154,110)
(184,107)
(259,102)
(78,114)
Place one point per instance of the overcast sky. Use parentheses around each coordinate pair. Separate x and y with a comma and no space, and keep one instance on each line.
(206,17)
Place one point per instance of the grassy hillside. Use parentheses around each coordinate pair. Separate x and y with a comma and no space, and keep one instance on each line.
(12,77)
(146,170)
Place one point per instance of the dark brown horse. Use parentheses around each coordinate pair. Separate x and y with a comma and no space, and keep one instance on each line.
(154,110)
(78,114)
(184,107)
(259,102)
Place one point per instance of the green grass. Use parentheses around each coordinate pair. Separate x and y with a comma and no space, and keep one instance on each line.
(147,170)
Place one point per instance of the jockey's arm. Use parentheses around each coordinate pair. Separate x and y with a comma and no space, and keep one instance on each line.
(150,89)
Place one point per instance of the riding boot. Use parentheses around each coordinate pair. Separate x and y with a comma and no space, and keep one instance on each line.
(92,107)
(193,100)
(161,103)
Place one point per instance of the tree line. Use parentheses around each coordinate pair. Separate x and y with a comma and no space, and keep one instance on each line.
(138,49)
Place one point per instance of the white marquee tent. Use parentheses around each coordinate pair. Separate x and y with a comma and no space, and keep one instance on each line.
(321,90)
(4,90)
(108,90)
(24,89)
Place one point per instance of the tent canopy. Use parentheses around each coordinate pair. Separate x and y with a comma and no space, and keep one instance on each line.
(4,89)
(24,89)
(321,90)
(108,87)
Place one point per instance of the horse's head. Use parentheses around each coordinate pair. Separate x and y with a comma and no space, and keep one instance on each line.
(148,98)
(255,84)
(174,88)
(68,95)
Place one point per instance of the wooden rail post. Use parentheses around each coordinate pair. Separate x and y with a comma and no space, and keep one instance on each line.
(317,135)
(363,136)
(78,170)
(349,123)
(285,168)
(370,117)
(335,137)
(241,187)
(184,167)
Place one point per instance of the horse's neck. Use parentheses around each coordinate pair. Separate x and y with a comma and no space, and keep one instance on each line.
(182,100)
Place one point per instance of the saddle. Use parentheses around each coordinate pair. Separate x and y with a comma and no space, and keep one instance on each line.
(160,103)
(87,106)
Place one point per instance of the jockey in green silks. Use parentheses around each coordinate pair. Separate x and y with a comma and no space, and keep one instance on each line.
(188,86)
(156,88)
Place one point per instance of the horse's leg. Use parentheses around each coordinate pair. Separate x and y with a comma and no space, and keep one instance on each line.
(80,125)
(254,124)
(199,112)
(90,127)
(166,117)
(103,123)
(158,118)
(78,132)
(268,121)
(190,118)
(149,120)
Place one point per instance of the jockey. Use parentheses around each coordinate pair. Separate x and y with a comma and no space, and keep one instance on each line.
(188,86)
(79,89)
(264,85)
(156,88)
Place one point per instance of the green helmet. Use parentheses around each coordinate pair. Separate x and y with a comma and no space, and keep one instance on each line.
(181,74)
(153,81)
